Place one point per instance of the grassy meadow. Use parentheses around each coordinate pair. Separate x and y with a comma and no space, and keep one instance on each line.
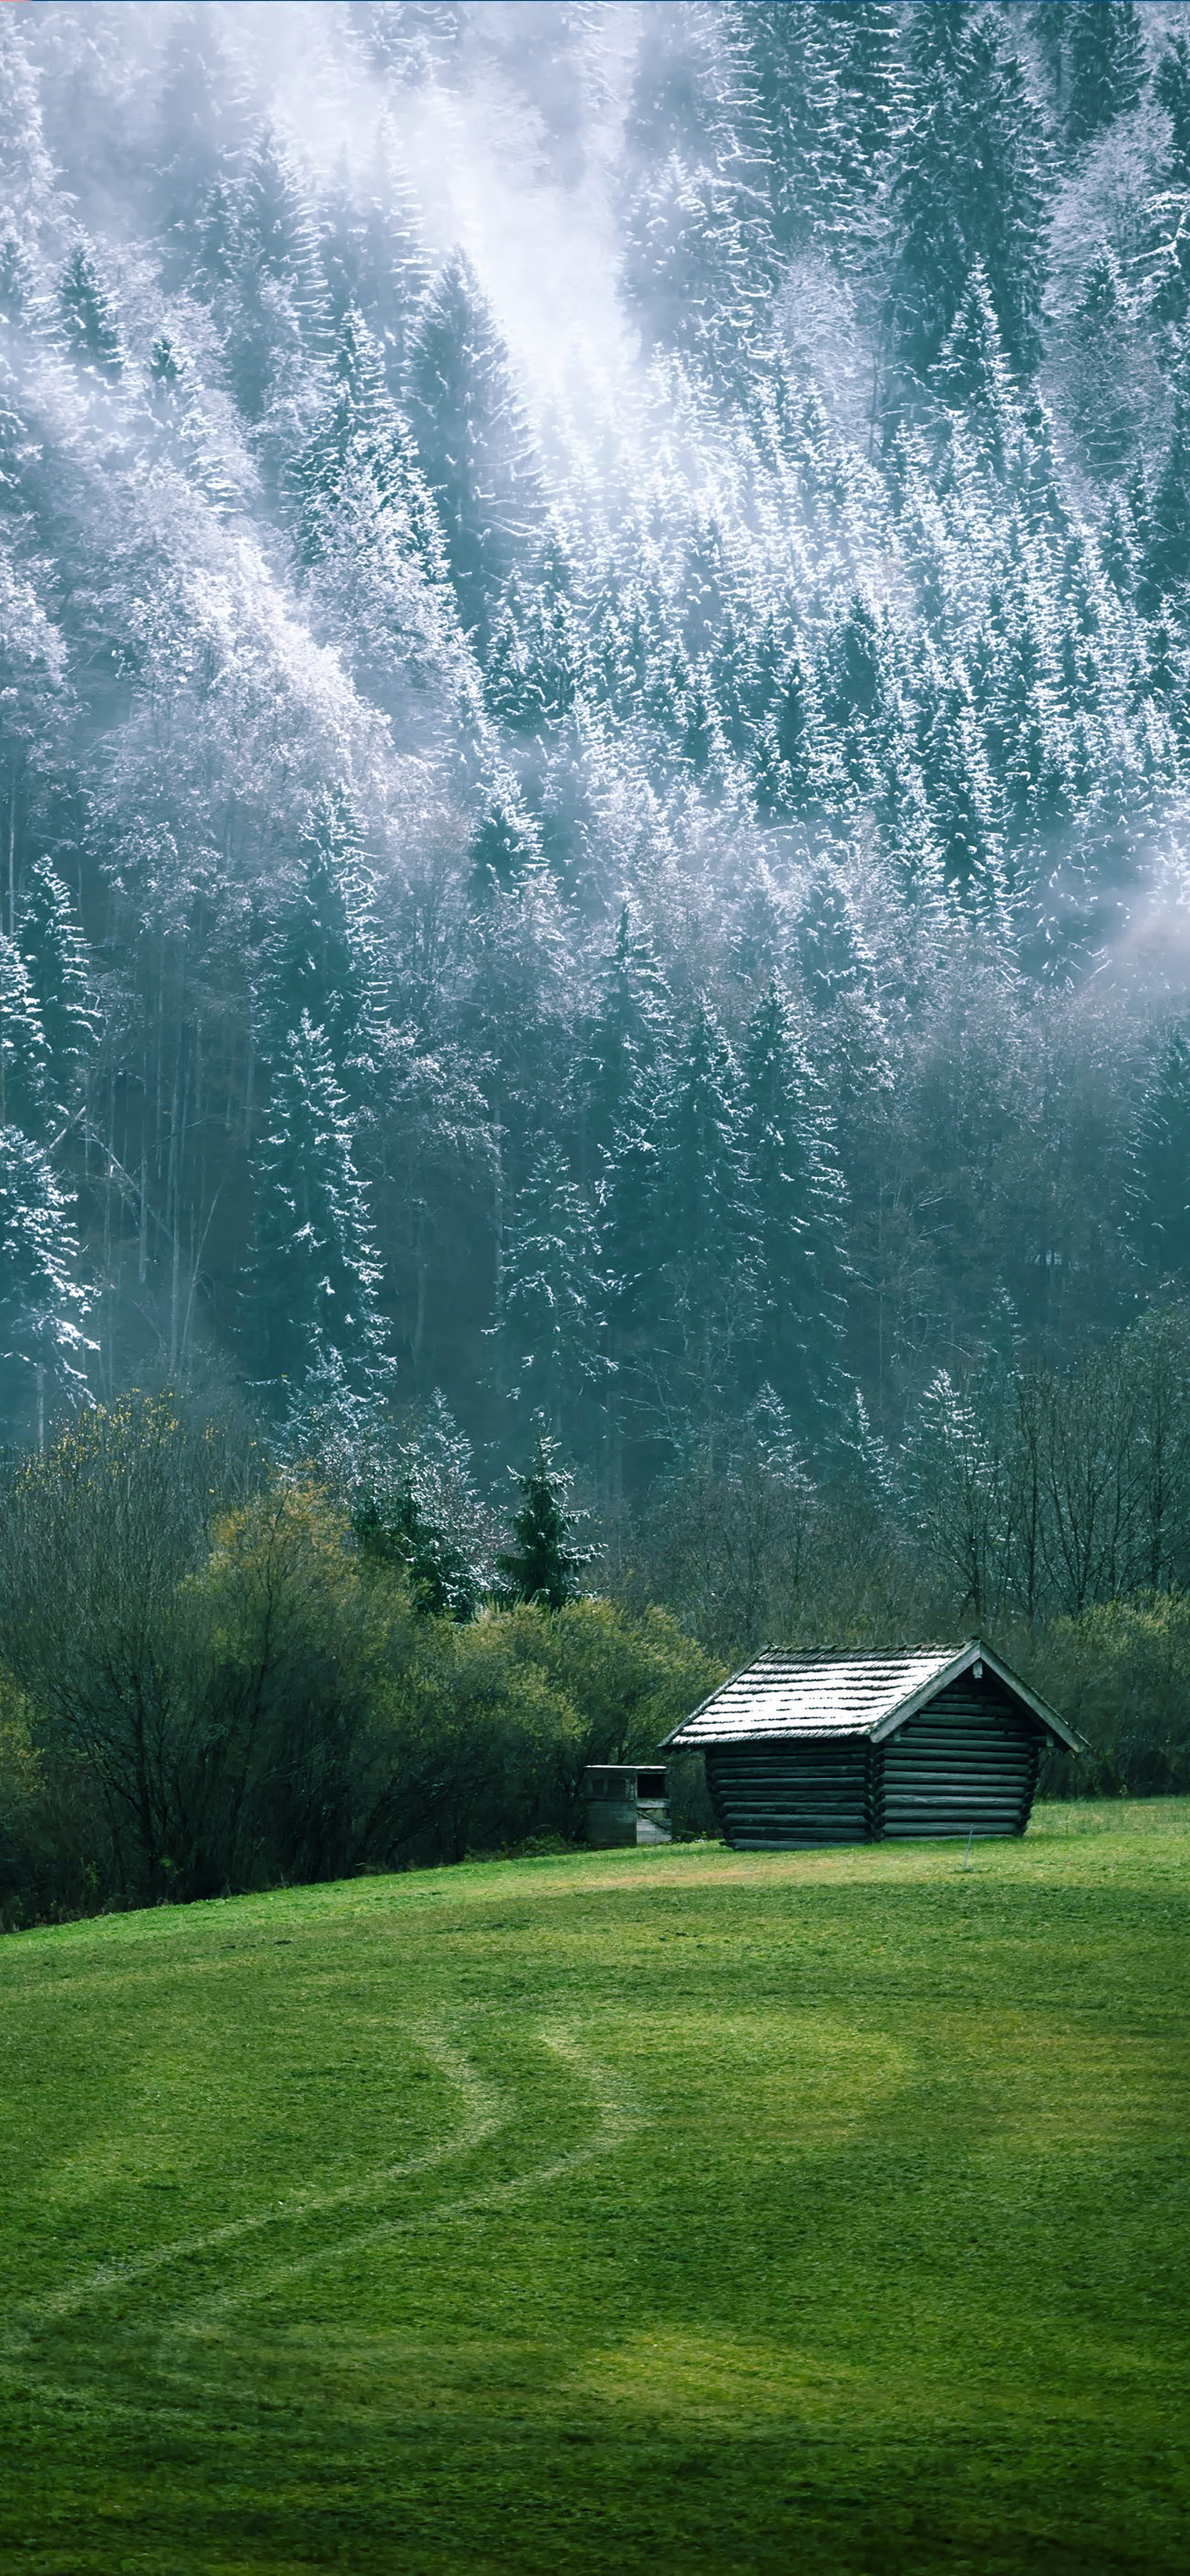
(661,2210)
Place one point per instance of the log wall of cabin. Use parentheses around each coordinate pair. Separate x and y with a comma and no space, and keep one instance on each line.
(781,1793)
(967,1763)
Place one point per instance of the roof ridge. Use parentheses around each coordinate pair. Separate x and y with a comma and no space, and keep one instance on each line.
(859,1654)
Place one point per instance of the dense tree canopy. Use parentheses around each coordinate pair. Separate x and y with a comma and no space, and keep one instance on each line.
(594,721)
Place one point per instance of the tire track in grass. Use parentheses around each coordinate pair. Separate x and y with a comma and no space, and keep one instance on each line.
(618,2116)
(487,2109)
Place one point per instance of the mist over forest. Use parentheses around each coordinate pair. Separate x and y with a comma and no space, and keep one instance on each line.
(594,750)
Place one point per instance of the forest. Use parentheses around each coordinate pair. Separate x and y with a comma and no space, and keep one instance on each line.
(594,763)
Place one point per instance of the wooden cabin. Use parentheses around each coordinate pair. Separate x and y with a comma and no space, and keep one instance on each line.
(853,1748)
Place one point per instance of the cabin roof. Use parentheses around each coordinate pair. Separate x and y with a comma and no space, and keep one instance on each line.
(847,1694)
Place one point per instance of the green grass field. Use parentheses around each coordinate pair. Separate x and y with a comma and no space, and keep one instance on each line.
(665,2210)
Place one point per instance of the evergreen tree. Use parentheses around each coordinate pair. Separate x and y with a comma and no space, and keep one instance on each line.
(43,1348)
(1171,83)
(279,313)
(426,1515)
(537,659)
(792,57)
(1106,65)
(201,115)
(89,316)
(472,439)
(964,810)
(693,85)
(324,956)
(1159,1196)
(1166,563)
(792,767)
(800,1209)
(506,843)
(871,94)
(55,955)
(361,433)
(27,172)
(699,256)
(628,1045)
(1167,251)
(550,1321)
(1102,368)
(630,1239)
(860,688)
(698,269)
(18,293)
(544,1565)
(972,379)
(373,252)
(550,50)
(24,1056)
(956,1489)
(314,1275)
(968,187)
(412,42)
(706,1227)
(216,240)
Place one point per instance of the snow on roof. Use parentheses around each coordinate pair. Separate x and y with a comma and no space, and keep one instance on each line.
(841,1694)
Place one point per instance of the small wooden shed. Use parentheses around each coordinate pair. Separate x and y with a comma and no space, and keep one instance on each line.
(625,1804)
(850,1748)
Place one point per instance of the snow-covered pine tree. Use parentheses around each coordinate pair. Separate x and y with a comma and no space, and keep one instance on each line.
(200,122)
(1171,85)
(1166,259)
(1165,566)
(24,1055)
(506,843)
(279,311)
(550,1320)
(859,687)
(626,1051)
(324,957)
(43,1348)
(1106,65)
(89,317)
(27,172)
(361,432)
(473,440)
(970,376)
(870,88)
(314,1272)
(537,664)
(422,1511)
(545,1563)
(55,954)
(18,290)
(956,1488)
(793,59)
(800,1204)
(964,809)
(699,269)
(706,1228)
(373,250)
(1102,373)
(968,186)
(1159,1190)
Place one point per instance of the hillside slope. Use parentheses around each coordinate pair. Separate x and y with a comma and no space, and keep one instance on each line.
(671,2209)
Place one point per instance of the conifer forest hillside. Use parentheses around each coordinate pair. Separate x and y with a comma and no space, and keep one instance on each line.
(595,745)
